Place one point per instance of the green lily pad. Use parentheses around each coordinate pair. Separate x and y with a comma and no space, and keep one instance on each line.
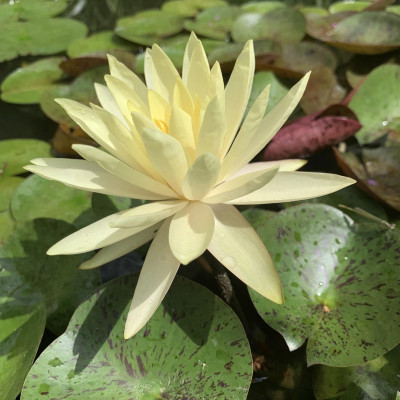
(26,84)
(340,284)
(41,37)
(56,278)
(374,380)
(258,217)
(277,90)
(393,9)
(283,25)
(7,189)
(32,9)
(104,205)
(192,346)
(262,7)
(310,12)
(214,23)
(81,90)
(341,6)
(103,41)
(380,93)
(147,27)
(7,226)
(48,199)
(16,153)
(22,322)
(180,7)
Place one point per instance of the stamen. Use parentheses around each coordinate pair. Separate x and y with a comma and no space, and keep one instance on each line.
(162,125)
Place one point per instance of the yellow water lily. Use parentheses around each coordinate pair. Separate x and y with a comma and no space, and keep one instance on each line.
(180,142)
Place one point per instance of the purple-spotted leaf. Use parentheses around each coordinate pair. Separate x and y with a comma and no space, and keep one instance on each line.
(340,281)
(312,133)
(194,347)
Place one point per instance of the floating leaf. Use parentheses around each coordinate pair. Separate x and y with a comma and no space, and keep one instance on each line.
(377,102)
(313,133)
(180,7)
(192,346)
(340,282)
(341,6)
(56,278)
(22,321)
(261,7)
(102,41)
(147,27)
(7,189)
(374,380)
(7,226)
(26,84)
(104,205)
(214,22)
(257,216)
(48,199)
(16,153)
(284,25)
(42,37)
(81,90)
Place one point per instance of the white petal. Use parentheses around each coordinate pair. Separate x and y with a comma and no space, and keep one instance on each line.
(150,213)
(86,175)
(94,236)
(158,272)
(167,156)
(155,189)
(119,249)
(237,92)
(216,85)
(201,177)
(248,144)
(238,247)
(188,55)
(191,231)
(107,101)
(236,187)
(284,165)
(293,186)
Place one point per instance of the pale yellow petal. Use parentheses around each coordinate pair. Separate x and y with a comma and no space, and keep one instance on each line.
(158,272)
(212,130)
(150,213)
(284,165)
(124,74)
(248,144)
(167,156)
(180,128)
(236,187)
(160,110)
(216,85)
(188,55)
(94,236)
(191,231)
(238,247)
(201,177)
(237,92)
(119,249)
(294,186)
(86,175)
(182,97)
(154,189)
(108,102)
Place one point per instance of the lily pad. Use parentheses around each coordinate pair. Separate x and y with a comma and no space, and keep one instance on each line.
(56,278)
(261,7)
(32,9)
(214,23)
(340,283)
(16,153)
(7,189)
(102,41)
(147,27)
(41,37)
(374,380)
(377,102)
(341,6)
(7,226)
(26,84)
(22,321)
(192,346)
(81,90)
(180,7)
(284,25)
(48,199)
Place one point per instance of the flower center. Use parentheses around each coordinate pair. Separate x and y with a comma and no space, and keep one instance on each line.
(162,125)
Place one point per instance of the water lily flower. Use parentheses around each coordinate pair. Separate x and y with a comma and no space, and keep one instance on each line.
(180,143)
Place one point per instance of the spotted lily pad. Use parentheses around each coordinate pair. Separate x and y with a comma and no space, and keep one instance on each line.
(41,37)
(377,102)
(26,84)
(214,22)
(193,347)
(374,380)
(284,25)
(340,281)
(56,278)
(16,153)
